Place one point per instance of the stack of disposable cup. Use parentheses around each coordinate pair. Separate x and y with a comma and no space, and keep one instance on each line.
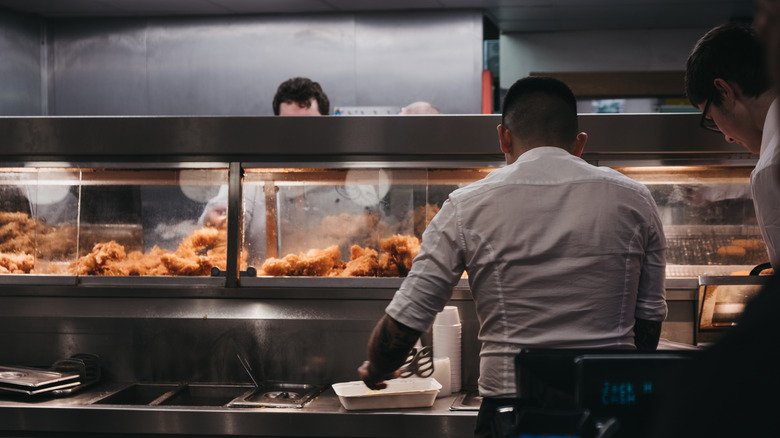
(446,342)
(443,375)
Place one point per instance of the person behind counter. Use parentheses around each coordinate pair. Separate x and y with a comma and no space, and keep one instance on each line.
(726,78)
(300,97)
(419,107)
(729,390)
(559,253)
(294,97)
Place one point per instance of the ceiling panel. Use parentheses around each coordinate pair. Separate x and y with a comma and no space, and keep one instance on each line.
(508,15)
(274,6)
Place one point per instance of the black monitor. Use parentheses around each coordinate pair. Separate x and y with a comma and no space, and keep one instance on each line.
(610,384)
(627,386)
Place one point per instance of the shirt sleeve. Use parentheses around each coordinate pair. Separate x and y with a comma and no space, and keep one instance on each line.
(435,271)
(651,297)
(766,199)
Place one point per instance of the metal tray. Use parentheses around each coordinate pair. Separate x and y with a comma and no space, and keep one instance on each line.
(34,381)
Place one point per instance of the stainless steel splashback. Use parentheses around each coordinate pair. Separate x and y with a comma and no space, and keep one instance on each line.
(21,68)
(232,65)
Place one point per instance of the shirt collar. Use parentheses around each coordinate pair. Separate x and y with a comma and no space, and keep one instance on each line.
(542,151)
(771,125)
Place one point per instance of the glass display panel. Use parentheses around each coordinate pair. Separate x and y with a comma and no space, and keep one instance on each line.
(150,222)
(110,221)
(342,222)
(708,217)
(722,304)
(38,220)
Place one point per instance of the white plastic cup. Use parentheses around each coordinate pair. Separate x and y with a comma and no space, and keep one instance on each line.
(448,316)
(447,342)
(443,374)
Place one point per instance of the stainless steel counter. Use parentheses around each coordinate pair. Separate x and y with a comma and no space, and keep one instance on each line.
(323,416)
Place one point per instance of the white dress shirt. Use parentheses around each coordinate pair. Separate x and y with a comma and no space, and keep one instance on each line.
(765,184)
(559,253)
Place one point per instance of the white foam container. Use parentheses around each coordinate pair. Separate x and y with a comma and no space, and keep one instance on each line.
(400,393)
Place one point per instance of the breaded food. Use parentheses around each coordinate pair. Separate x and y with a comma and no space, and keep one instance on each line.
(732,252)
(401,251)
(105,259)
(196,255)
(363,262)
(16,263)
(313,263)
(748,244)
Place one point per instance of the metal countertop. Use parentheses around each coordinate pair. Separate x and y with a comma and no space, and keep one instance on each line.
(323,416)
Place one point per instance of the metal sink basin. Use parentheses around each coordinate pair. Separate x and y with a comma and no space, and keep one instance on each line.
(139,394)
(205,395)
(184,394)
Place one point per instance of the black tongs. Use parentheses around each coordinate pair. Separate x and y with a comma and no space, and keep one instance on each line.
(419,363)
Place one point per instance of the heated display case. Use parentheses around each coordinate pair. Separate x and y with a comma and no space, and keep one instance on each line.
(359,219)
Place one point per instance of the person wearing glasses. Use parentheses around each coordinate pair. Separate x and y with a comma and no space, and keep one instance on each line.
(726,78)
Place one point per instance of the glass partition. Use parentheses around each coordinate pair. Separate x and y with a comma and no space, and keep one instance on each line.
(38,220)
(349,222)
(708,216)
(359,222)
(110,222)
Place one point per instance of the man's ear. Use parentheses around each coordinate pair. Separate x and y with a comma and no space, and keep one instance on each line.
(504,139)
(727,91)
(579,144)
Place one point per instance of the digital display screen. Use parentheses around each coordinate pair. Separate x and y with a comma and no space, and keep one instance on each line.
(624,393)
(624,380)
(626,386)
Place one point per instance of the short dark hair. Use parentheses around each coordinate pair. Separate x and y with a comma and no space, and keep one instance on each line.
(301,91)
(542,111)
(732,52)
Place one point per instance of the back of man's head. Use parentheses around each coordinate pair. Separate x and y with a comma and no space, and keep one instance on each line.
(731,52)
(301,91)
(541,111)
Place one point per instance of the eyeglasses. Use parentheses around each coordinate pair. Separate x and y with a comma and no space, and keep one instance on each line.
(706,122)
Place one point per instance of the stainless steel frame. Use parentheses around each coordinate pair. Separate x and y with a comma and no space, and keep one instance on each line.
(664,138)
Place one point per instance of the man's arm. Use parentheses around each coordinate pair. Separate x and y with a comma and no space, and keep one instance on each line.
(388,349)
(646,334)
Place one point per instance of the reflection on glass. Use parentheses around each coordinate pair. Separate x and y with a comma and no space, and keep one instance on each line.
(722,304)
(708,218)
(109,222)
(342,222)
(38,216)
(147,222)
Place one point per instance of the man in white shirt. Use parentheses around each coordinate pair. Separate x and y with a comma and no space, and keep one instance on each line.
(559,253)
(726,78)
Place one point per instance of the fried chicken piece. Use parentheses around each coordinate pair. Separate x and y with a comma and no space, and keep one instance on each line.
(16,263)
(313,263)
(202,250)
(400,251)
(105,259)
(16,237)
(363,262)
